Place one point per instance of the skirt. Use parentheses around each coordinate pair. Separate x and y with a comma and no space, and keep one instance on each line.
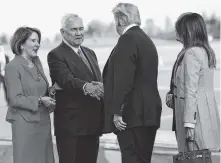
(32,141)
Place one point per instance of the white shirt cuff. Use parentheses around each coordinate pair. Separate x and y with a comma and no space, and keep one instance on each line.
(190,125)
(85,92)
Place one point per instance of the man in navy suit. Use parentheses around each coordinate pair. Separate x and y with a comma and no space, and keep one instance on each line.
(131,98)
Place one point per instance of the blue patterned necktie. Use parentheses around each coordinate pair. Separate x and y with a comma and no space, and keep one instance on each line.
(84,59)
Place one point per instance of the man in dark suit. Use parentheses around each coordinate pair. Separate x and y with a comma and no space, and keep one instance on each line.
(131,98)
(77,78)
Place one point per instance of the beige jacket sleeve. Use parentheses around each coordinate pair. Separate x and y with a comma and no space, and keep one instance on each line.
(191,76)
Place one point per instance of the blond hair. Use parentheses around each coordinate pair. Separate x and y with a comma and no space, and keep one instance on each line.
(126,14)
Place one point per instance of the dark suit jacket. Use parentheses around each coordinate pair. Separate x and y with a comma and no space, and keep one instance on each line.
(130,82)
(22,95)
(75,113)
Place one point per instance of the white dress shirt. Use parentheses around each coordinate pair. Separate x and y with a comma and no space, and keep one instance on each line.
(73,48)
(128,27)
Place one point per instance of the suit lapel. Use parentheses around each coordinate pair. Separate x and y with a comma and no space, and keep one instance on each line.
(38,65)
(94,65)
(78,63)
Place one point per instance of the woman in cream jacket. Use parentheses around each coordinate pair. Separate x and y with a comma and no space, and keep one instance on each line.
(196,113)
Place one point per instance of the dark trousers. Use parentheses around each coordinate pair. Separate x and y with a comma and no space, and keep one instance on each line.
(136,144)
(77,149)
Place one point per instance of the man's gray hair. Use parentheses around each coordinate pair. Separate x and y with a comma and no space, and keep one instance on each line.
(67,18)
(126,14)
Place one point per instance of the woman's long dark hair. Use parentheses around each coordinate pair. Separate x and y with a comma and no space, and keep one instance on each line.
(191,28)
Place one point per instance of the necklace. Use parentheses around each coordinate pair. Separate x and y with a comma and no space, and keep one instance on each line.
(29,61)
(38,79)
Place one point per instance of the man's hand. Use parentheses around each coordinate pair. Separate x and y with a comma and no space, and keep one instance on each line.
(51,108)
(53,89)
(119,123)
(190,138)
(99,84)
(57,87)
(100,88)
(94,90)
(169,100)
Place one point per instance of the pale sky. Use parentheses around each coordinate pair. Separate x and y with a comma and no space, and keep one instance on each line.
(46,14)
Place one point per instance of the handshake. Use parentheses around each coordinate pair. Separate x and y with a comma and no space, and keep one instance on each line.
(94,89)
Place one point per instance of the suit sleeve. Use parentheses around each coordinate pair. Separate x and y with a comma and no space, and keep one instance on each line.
(124,72)
(15,95)
(94,56)
(191,77)
(62,75)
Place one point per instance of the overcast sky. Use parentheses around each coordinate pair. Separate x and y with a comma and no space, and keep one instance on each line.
(46,14)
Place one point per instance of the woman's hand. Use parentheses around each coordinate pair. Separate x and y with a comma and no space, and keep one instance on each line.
(51,108)
(190,138)
(169,100)
(52,92)
(48,101)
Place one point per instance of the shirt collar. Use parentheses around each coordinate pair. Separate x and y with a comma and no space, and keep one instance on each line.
(128,27)
(73,48)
